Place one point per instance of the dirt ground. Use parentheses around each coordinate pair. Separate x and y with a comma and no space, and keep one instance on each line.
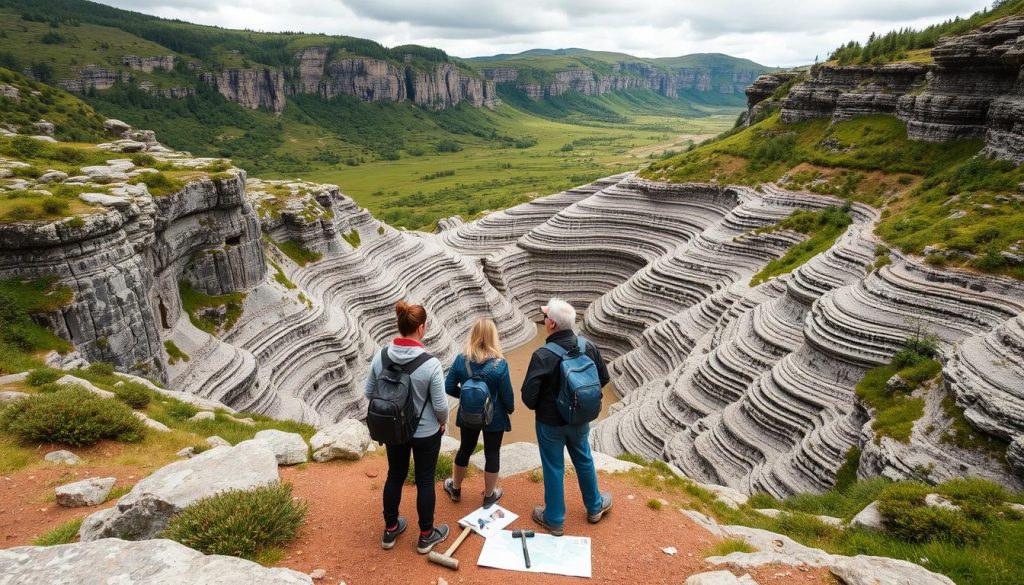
(343,531)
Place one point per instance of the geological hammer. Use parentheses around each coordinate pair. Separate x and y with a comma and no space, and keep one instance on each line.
(524,534)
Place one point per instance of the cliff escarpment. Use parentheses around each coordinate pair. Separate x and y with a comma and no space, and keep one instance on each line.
(971,89)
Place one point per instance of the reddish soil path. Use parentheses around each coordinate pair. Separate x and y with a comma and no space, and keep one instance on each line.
(343,530)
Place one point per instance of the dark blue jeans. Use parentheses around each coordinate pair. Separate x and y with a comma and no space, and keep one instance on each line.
(576,439)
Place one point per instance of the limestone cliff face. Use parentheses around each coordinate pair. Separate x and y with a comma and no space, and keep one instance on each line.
(91,77)
(251,88)
(973,90)
(625,76)
(149,64)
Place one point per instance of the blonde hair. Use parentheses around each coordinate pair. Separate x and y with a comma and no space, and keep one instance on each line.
(483,342)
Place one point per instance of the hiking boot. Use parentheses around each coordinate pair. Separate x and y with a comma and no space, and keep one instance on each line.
(449,488)
(538,517)
(606,504)
(438,535)
(494,497)
(390,536)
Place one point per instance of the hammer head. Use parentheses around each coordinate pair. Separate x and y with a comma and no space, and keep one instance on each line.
(522,534)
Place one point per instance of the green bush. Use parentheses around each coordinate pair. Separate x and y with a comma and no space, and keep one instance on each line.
(101,368)
(43,376)
(908,518)
(445,466)
(72,416)
(179,411)
(133,394)
(239,523)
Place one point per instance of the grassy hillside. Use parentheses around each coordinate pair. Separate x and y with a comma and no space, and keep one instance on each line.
(937,195)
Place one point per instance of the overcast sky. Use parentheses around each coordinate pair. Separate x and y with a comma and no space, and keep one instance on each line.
(771,33)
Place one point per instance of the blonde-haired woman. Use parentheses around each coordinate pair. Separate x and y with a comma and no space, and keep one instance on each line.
(481,362)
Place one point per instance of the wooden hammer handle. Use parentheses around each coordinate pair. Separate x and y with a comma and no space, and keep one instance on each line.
(458,541)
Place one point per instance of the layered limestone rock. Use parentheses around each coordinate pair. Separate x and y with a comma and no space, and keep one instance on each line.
(250,88)
(149,64)
(92,77)
(972,90)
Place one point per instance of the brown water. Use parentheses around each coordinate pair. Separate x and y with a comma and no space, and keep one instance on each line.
(523,418)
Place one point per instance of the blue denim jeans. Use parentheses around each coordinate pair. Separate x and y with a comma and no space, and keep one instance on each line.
(552,441)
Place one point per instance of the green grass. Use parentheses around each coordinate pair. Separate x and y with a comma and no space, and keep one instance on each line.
(823,227)
(194,302)
(21,338)
(445,465)
(174,353)
(352,238)
(654,504)
(297,252)
(280,276)
(896,412)
(65,533)
(730,545)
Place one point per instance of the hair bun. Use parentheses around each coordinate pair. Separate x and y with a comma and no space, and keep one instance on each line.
(402,308)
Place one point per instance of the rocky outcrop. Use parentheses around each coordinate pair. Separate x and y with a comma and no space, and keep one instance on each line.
(150,562)
(92,77)
(149,64)
(973,90)
(251,88)
(146,510)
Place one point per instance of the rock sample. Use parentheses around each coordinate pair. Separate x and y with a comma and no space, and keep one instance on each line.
(146,510)
(151,562)
(88,492)
(348,439)
(289,448)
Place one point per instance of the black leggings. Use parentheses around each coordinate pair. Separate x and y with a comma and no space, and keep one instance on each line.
(424,452)
(492,448)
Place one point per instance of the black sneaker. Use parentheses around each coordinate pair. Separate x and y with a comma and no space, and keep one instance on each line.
(538,517)
(494,497)
(449,488)
(390,536)
(436,536)
(606,504)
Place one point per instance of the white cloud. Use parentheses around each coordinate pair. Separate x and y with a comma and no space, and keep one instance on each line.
(772,33)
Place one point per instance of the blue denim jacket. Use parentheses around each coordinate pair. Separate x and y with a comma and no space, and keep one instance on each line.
(498,382)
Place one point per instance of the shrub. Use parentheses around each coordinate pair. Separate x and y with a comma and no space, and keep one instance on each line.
(654,504)
(179,411)
(239,523)
(72,416)
(908,518)
(53,206)
(133,394)
(43,376)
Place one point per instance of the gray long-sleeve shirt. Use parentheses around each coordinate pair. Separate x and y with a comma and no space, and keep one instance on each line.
(427,381)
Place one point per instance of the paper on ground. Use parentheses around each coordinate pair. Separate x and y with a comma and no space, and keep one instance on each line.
(566,555)
(489,522)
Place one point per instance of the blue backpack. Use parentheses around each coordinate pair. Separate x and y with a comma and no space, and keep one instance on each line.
(475,400)
(579,397)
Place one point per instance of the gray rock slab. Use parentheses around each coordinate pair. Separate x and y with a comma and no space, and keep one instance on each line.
(865,570)
(143,512)
(870,518)
(62,456)
(88,492)
(12,396)
(69,380)
(347,439)
(289,448)
(151,562)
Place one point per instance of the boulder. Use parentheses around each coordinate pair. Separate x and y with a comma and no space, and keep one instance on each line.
(88,492)
(719,578)
(145,511)
(64,457)
(516,458)
(870,518)
(13,378)
(610,464)
(449,445)
(939,501)
(203,415)
(116,127)
(728,496)
(187,452)
(12,396)
(69,380)
(44,127)
(865,570)
(151,562)
(216,441)
(52,177)
(347,439)
(105,200)
(289,448)
(152,424)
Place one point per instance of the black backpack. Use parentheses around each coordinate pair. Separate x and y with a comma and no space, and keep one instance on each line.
(391,416)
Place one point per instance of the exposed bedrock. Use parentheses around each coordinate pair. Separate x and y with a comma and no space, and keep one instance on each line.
(593,245)
(843,92)
(250,88)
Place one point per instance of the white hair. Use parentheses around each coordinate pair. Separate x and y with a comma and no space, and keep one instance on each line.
(561,313)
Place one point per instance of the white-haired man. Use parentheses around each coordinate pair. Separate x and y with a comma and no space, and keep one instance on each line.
(540,390)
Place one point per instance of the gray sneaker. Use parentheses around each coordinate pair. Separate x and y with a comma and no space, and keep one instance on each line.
(606,504)
(538,517)
(436,536)
(390,536)
(494,497)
